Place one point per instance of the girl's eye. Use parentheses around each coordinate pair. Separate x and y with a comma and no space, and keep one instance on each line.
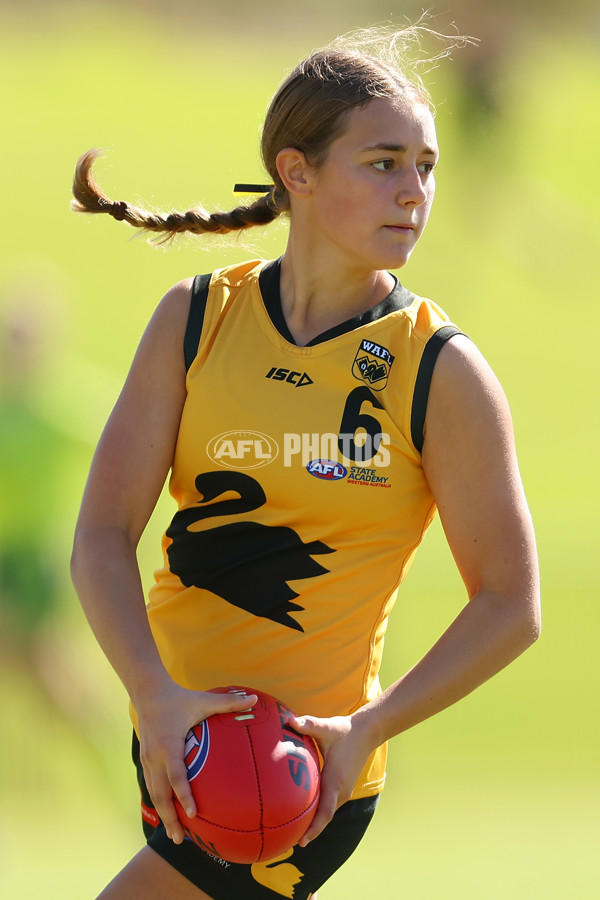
(426,168)
(383,165)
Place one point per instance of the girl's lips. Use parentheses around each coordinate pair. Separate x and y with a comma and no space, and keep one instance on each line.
(400,228)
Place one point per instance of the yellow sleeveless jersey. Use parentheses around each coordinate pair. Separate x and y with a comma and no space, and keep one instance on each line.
(301,497)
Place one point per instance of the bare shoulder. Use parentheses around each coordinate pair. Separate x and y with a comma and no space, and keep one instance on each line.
(178,296)
(469,455)
(462,367)
(466,396)
(470,462)
(173,309)
(160,352)
(137,445)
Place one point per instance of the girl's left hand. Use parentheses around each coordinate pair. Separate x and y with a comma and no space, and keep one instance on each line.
(345,744)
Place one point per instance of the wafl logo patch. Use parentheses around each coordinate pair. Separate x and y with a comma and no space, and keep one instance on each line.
(197,745)
(372,365)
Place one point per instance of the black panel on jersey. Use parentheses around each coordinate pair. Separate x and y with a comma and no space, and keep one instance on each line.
(246,563)
(195,320)
(269,282)
(423,382)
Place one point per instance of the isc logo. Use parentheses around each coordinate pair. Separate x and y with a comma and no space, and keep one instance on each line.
(298,379)
(242,449)
(326,469)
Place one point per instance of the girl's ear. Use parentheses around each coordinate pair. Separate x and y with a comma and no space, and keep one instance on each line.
(294,171)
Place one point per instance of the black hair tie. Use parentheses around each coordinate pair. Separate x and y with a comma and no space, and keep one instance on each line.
(253,188)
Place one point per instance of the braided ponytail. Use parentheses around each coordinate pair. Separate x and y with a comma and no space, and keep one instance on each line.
(308,112)
(89,198)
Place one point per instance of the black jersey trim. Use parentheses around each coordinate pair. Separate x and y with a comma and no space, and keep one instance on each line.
(423,382)
(269,283)
(193,330)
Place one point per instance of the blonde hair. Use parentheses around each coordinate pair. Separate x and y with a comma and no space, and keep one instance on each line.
(308,112)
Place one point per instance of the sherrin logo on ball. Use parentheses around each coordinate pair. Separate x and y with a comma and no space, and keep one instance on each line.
(197,745)
(254,779)
(326,469)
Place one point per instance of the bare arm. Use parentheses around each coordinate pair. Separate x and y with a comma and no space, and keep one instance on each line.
(127,474)
(129,469)
(470,462)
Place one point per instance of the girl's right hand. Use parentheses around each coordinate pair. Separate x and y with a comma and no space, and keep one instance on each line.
(164,719)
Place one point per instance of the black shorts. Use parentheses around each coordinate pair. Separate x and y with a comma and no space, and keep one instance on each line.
(298,873)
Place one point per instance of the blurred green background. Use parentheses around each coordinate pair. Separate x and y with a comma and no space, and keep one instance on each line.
(495,798)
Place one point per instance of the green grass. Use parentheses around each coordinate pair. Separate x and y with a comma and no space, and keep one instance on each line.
(498,796)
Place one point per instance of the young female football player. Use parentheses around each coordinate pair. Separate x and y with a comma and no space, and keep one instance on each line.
(313,414)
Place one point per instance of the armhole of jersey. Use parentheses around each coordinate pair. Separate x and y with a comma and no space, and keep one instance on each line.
(193,330)
(423,382)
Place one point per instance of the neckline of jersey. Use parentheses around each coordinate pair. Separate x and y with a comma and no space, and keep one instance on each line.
(269,281)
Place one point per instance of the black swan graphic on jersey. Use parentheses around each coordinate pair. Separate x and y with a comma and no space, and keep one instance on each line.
(246,563)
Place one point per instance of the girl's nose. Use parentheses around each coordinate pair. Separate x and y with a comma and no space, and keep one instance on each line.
(412,190)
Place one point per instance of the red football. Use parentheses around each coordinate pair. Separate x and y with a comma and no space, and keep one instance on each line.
(254,779)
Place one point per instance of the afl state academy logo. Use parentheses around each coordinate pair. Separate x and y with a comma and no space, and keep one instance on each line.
(326,469)
(372,364)
(197,745)
(242,449)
